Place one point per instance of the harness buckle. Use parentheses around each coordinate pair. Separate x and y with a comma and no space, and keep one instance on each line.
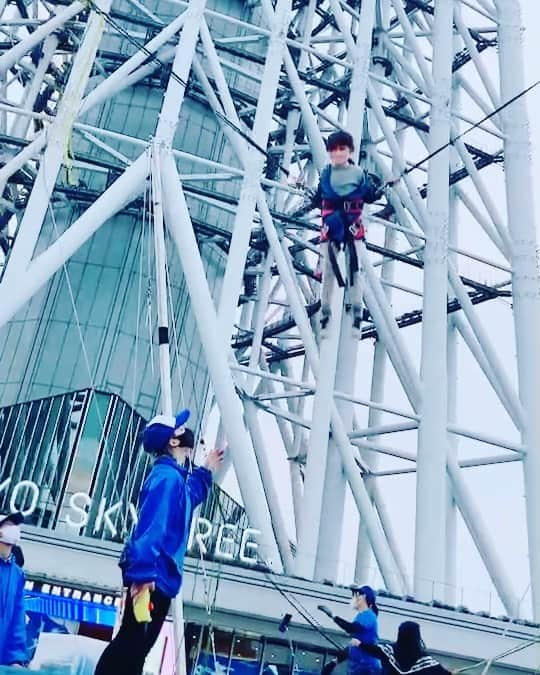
(357,230)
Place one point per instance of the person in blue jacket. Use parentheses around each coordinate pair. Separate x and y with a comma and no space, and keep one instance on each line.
(364,628)
(343,190)
(13,650)
(153,557)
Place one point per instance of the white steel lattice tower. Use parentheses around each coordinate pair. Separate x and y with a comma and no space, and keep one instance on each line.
(441,381)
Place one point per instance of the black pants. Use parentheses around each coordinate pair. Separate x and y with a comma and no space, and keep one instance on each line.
(127,653)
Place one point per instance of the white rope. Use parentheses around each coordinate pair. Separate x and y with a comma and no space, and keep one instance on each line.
(490,660)
(149,320)
(174,333)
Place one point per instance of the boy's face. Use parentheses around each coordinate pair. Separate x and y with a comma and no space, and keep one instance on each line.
(339,155)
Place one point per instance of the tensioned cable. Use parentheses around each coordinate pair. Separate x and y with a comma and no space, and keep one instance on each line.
(494,112)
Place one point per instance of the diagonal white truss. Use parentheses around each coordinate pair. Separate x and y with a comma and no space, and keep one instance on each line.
(405,77)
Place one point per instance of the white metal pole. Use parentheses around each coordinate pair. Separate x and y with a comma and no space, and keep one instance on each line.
(363,550)
(333,480)
(450,567)
(316,468)
(59,133)
(179,223)
(430,537)
(330,529)
(161,285)
(525,278)
(165,364)
(364,556)
(176,87)
(272,496)
(242,225)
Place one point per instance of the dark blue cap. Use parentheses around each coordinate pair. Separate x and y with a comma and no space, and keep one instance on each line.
(159,431)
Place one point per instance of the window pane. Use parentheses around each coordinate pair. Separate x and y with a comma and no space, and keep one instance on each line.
(277,659)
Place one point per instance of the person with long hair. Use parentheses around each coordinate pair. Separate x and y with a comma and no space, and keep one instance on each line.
(364,629)
(406,656)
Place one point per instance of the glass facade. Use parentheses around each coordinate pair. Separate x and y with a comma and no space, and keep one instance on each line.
(244,653)
(94,324)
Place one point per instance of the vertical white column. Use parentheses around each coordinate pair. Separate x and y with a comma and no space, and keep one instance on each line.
(450,567)
(343,341)
(330,530)
(161,286)
(429,559)
(316,466)
(364,557)
(165,365)
(525,279)
(165,131)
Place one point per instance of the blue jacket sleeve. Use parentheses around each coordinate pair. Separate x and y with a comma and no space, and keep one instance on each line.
(198,485)
(16,651)
(160,501)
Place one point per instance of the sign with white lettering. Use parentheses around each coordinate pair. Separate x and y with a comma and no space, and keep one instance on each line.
(225,541)
(63,591)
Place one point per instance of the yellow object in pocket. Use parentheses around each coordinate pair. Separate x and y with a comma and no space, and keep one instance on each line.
(141,607)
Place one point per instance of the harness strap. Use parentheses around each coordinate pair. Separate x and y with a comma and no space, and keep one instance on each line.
(353,260)
(335,265)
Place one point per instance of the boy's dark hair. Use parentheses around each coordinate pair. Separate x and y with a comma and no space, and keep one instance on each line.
(339,138)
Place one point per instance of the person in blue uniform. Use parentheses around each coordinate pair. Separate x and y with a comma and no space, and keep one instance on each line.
(364,628)
(153,557)
(13,651)
(343,190)
(406,656)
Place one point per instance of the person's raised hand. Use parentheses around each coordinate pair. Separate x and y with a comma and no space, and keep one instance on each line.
(214,459)
(355,642)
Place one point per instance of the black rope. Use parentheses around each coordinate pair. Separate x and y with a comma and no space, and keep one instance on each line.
(295,604)
(494,112)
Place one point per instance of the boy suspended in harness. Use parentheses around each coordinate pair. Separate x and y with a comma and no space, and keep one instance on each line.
(343,190)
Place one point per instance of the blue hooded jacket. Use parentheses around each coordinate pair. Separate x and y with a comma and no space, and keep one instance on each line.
(155,551)
(12,623)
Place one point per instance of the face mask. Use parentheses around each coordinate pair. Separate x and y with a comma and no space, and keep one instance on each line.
(10,534)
